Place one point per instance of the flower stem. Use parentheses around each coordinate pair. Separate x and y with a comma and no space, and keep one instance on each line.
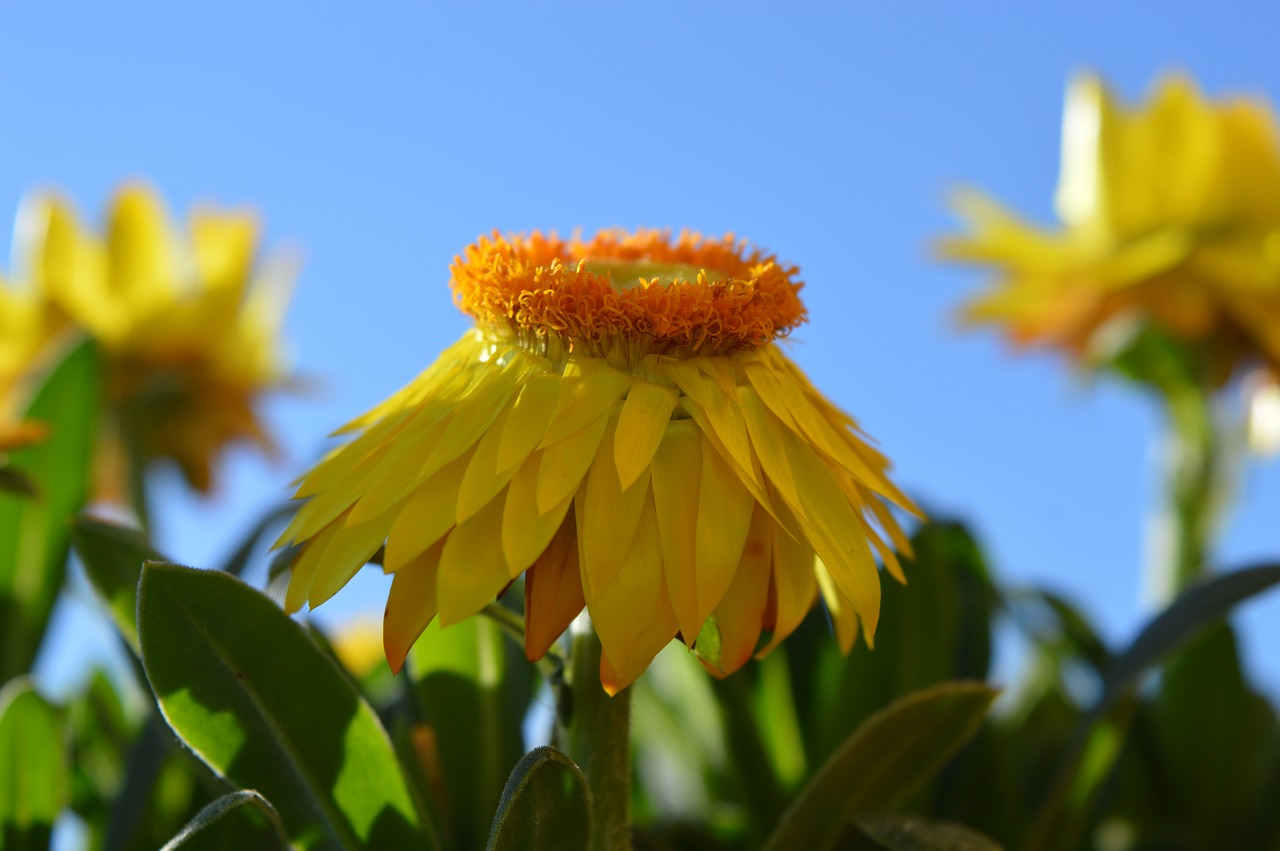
(1193,490)
(597,736)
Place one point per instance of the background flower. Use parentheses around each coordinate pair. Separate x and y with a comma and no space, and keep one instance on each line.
(1171,217)
(189,325)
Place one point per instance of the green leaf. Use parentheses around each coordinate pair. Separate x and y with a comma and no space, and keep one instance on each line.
(889,756)
(473,688)
(256,700)
(228,823)
(545,806)
(35,781)
(1090,758)
(112,556)
(33,530)
(1217,738)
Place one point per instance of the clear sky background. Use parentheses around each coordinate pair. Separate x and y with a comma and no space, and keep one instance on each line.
(380,139)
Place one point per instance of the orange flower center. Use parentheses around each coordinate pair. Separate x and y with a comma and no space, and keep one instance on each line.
(639,293)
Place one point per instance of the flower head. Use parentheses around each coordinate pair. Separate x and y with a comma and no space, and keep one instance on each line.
(1170,217)
(188,329)
(621,428)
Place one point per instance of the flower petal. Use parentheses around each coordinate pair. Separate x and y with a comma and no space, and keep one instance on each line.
(552,592)
(426,515)
(739,616)
(411,605)
(677,483)
(473,570)
(608,515)
(641,424)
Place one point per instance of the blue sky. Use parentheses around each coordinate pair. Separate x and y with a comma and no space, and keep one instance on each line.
(380,142)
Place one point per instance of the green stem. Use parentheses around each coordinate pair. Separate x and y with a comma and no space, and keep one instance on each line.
(597,736)
(1193,489)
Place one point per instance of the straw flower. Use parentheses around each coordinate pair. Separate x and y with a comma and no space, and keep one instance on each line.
(1170,216)
(187,324)
(622,428)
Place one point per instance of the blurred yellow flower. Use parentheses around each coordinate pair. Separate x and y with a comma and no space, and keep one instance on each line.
(188,325)
(1170,215)
(621,428)
(358,646)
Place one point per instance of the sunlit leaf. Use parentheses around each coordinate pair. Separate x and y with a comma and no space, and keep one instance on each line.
(34,772)
(256,700)
(33,530)
(545,806)
(229,822)
(889,756)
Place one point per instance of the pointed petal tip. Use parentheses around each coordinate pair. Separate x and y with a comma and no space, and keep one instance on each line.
(395,658)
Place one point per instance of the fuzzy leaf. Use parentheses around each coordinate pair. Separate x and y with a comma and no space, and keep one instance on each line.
(255,699)
(545,806)
(226,823)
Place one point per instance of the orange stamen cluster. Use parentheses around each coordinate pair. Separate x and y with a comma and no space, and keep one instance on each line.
(539,284)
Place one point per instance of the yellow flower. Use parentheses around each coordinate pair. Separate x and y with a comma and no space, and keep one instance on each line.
(189,335)
(621,428)
(1170,215)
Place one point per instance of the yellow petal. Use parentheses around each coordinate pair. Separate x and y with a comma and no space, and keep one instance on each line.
(400,470)
(792,586)
(534,410)
(792,407)
(143,264)
(305,566)
(740,614)
(752,478)
(677,483)
(843,614)
(526,531)
(483,480)
(426,515)
(411,604)
(348,551)
(812,492)
(720,410)
(339,463)
(473,570)
(552,592)
(623,609)
(564,464)
(473,415)
(320,510)
(890,526)
(224,248)
(724,518)
(657,626)
(589,389)
(641,423)
(608,515)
